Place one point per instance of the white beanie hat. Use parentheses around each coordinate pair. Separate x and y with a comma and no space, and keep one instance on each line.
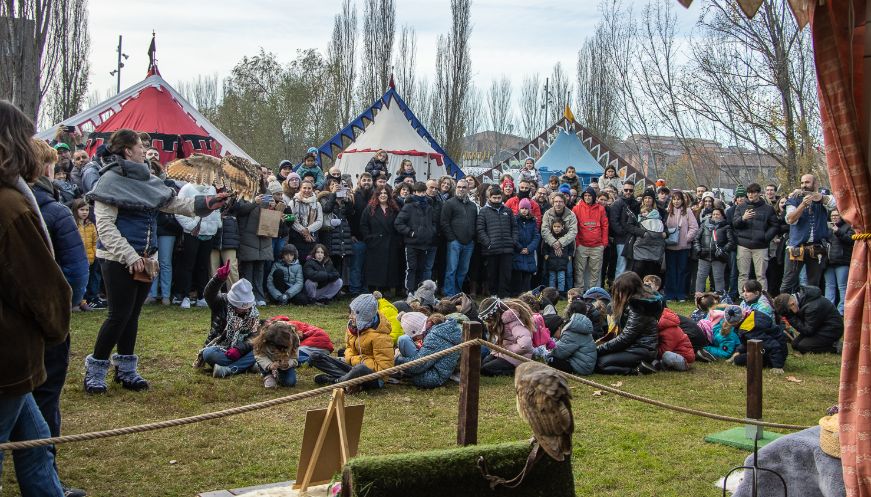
(241,295)
(413,323)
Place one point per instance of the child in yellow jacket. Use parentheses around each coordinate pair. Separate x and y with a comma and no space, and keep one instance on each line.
(88,233)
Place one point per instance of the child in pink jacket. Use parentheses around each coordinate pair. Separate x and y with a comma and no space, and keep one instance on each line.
(509,324)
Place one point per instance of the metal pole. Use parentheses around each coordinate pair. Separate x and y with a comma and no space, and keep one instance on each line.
(470,380)
(754,387)
(119,65)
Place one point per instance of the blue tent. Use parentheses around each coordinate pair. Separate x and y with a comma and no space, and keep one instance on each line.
(567,150)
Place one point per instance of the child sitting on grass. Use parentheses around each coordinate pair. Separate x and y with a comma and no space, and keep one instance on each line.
(653,282)
(442,335)
(276,350)
(675,351)
(756,299)
(757,325)
(509,326)
(312,340)
(575,351)
(704,303)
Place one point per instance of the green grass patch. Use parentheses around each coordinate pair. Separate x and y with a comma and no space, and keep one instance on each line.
(621,447)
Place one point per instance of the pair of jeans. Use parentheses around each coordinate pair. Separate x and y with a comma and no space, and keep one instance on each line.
(419,264)
(284,377)
(95,281)
(457,266)
(21,420)
(557,279)
(496,366)
(620,265)
(215,356)
(340,370)
(357,284)
(306,351)
(836,285)
(406,346)
(47,396)
(793,269)
(161,287)
(126,297)
(326,292)
(79,285)
(674,361)
(675,267)
(707,267)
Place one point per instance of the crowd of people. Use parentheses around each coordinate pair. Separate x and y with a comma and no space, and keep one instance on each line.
(413,256)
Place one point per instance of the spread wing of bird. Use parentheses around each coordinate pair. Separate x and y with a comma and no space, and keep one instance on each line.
(543,401)
(232,173)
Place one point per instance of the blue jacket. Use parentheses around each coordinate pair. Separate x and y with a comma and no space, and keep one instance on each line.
(69,250)
(815,216)
(528,237)
(436,373)
(576,345)
(290,279)
(318,172)
(722,346)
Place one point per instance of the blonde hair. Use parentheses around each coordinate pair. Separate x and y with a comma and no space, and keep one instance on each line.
(44,153)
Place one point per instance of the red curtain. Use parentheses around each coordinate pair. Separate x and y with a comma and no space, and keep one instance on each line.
(838,30)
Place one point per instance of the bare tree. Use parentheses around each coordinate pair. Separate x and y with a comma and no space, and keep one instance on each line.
(204,93)
(596,85)
(342,61)
(24,30)
(558,89)
(68,47)
(453,77)
(379,19)
(474,113)
(530,106)
(499,112)
(406,62)
(421,103)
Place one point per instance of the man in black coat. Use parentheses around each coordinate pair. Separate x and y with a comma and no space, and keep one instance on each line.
(458,220)
(497,234)
(817,321)
(362,194)
(417,223)
(618,218)
(755,225)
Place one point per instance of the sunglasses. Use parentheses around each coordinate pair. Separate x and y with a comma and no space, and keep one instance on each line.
(628,190)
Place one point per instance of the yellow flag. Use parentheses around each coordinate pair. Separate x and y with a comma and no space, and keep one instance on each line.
(568,114)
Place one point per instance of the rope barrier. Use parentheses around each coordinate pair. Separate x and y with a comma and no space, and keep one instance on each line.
(861,236)
(82,437)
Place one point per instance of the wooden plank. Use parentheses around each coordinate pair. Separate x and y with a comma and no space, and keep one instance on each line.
(470,381)
(754,386)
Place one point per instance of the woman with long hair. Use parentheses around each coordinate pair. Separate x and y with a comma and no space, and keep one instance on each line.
(35,299)
(383,269)
(322,281)
(127,199)
(636,313)
(309,218)
(677,255)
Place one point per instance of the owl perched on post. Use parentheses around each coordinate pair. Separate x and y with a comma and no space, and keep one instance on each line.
(232,173)
(543,401)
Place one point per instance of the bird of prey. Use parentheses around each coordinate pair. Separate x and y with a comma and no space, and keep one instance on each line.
(230,173)
(543,401)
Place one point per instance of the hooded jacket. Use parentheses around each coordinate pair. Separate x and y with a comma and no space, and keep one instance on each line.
(289,274)
(312,336)
(516,337)
(672,338)
(639,328)
(69,249)
(570,227)
(623,213)
(217,301)
(370,346)
(592,223)
(649,242)
(417,223)
(723,346)
(760,326)
(497,230)
(715,240)
(576,345)
(321,273)
(435,373)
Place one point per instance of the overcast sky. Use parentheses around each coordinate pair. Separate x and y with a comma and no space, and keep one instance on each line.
(514,37)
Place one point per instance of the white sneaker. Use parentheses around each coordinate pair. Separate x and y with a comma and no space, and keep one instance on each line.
(269,381)
(202,303)
(261,303)
(185,303)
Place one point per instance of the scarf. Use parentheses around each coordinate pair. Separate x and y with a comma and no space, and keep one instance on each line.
(239,328)
(25,190)
(305,210)
(128,185)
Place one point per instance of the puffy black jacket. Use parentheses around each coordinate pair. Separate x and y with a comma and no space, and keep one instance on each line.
(497,230)
(705,246)
(417,223)
(639,328)
(816,316)
(758,231)
(360,199)
(227,237)
(458,220)
(69,250)
(841,249)
(338,239)
(619,217)
(693,332)
(320,272)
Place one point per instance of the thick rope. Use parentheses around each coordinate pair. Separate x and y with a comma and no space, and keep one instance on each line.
(82,437)
(861,236)
(657,403)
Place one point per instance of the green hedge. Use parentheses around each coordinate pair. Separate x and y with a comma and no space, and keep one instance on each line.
(455,473)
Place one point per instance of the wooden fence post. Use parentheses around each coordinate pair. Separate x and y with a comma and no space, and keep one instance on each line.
(470,381)
(754,387)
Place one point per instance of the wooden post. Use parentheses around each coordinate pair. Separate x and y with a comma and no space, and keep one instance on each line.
(754,387)
(470,381)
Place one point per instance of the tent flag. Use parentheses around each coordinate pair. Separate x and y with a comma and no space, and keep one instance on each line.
(568,114)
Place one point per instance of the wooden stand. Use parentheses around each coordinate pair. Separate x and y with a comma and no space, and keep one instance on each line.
(335,421)
(470,381)
(754,388)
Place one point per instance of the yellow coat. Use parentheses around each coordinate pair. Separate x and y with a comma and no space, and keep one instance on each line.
(88,232)
(372,347)
(389,311)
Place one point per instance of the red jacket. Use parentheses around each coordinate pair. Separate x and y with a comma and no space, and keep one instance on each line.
(513,203)
(672,338)
(312,336)
(592,225)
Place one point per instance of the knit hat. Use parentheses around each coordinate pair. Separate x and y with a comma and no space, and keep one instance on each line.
(591,191)
(740,191)
(425,293)
(293,176)
(597,293)
(507,181)
(413,323)
(274,188)
(525,204)
(241,295)
(565,188)
(290,249)
(734,315)
(365,307)
(62,145)
(312,150)
(401,306)
(660,182)
(649,193)
(708,195)
(285,163)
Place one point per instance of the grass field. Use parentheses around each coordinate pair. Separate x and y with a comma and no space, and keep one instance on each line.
(621,447)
